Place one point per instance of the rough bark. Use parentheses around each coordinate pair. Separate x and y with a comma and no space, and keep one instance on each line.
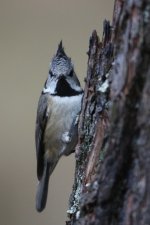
(112,177)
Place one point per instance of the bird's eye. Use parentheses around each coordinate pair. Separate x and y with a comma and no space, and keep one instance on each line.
(71,73)
(50,73)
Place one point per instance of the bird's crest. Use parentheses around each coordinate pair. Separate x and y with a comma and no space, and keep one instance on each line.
(60,51)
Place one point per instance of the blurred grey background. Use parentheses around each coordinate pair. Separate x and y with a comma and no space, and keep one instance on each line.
(29,34)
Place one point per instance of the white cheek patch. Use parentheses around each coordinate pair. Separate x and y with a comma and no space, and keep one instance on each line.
(76,87)
(51,87)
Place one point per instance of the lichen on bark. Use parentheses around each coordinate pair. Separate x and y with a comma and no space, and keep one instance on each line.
(112,177)
(93,118)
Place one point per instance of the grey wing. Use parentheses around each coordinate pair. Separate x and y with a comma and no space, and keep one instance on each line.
(41,121)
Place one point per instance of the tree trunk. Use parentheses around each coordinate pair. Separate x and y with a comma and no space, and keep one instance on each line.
(112,177)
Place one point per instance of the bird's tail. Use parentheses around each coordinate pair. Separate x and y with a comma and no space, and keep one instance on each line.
(42,189)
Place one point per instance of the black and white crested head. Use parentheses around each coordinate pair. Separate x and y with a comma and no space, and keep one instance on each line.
(61,64)
(62,80)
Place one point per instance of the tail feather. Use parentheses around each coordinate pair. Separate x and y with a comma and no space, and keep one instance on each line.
(42,190)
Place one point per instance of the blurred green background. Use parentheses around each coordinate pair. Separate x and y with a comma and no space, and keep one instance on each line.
(29,34)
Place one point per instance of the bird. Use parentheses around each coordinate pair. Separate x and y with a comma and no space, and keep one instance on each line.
(57,120)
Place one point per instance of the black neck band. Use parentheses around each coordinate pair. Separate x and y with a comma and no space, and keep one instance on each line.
(63,89)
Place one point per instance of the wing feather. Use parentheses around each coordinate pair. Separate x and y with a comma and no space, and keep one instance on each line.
(41,121)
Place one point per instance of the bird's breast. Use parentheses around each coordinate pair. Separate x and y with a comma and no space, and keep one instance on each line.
(61,113)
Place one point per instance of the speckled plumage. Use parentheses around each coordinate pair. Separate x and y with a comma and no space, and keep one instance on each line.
(61,63)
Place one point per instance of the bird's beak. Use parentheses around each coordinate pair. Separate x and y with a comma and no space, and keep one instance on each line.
(61,76)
